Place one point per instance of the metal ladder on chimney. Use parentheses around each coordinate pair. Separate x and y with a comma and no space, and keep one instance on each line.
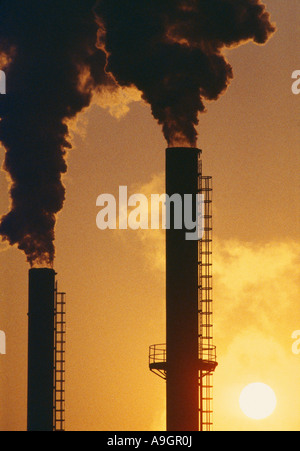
(207,351)
(59,362)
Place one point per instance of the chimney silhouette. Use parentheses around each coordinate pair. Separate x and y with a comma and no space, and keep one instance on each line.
(41,350)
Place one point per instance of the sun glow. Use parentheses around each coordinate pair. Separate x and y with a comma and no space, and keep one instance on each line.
(257,401)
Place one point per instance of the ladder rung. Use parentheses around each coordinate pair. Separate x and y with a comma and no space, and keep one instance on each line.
(59,364)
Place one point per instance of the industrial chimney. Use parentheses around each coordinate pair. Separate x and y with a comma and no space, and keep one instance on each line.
(46,340)
(188,359)
(181,298)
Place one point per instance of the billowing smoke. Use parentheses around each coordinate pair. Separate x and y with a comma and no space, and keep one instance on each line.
(57,53)
(171,50)
(47,47)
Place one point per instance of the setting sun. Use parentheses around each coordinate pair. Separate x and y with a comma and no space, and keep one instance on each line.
(258,401)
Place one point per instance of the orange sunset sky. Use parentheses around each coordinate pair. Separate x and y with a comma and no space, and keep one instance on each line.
(115,280)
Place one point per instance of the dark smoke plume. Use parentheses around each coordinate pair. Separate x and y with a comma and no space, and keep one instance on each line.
(49,44)
(171,50)
(56,53)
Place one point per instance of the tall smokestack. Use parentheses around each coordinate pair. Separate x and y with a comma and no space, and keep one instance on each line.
(182,299)
(188,360)
(41,349)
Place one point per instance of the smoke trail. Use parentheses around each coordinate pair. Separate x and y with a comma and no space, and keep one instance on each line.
(171,50)
(46,46)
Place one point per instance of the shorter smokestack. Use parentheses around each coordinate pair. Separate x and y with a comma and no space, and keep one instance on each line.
(41,349)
